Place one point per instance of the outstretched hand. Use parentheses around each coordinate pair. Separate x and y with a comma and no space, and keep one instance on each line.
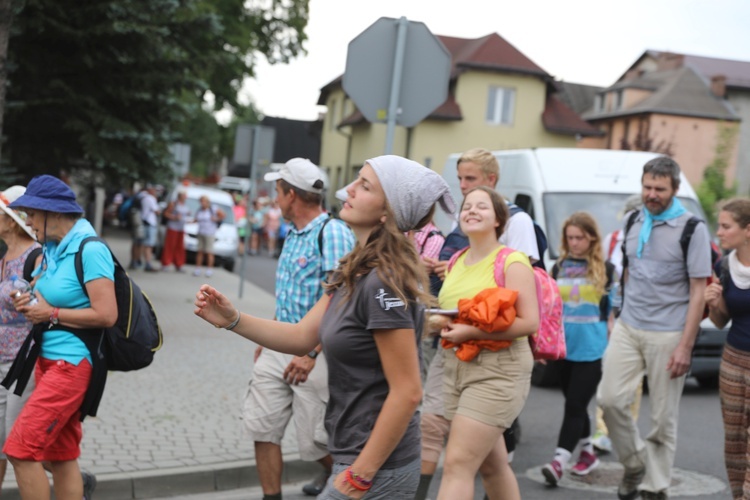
(214,307)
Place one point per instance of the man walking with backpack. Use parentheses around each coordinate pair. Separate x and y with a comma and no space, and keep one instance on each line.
(661,311)
(476,167)
(283,384)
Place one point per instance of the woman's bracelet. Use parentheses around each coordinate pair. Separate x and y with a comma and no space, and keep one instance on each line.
(357,481)
(234,323)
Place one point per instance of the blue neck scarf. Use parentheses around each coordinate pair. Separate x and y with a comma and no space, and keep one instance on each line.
(675,210)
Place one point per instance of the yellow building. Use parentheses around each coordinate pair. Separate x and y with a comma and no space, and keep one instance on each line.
(497,99)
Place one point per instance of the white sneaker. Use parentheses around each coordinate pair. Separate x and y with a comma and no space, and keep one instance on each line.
(602,443)
(197,272)
(209,273)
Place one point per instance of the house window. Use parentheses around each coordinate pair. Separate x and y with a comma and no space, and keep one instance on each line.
(618,99)
(599,102)
(500,105)
(332,115)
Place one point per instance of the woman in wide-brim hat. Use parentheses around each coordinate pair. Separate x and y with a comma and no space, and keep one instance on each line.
(20,248)
(68,322)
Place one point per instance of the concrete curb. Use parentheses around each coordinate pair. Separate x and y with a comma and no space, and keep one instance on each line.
(164,483)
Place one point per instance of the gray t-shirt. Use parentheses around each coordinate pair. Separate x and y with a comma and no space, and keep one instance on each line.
(356,382)
(657,291)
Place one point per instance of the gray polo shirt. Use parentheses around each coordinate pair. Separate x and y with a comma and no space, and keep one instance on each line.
(658,288)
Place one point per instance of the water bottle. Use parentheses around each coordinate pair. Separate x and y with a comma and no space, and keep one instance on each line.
(23,286)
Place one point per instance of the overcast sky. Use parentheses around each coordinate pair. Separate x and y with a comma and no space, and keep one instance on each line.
(580,41)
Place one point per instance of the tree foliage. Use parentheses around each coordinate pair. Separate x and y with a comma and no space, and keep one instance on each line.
(714,188)
(107,85)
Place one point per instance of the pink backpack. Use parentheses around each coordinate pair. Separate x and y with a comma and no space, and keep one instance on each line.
(549,341)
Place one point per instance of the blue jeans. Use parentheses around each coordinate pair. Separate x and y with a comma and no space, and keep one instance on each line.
(388,484)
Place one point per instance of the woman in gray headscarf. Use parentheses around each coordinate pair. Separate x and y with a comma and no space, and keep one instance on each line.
(369,323)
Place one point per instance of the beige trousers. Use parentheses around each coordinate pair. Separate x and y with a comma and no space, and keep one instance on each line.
(630,352)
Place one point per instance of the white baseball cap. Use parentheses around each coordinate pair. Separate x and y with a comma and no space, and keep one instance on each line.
(300,173)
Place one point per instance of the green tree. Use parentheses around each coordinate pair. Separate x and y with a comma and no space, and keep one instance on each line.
(713,188)
(101,85)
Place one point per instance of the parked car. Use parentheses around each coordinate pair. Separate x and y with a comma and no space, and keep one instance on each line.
(552,183)
(227,241)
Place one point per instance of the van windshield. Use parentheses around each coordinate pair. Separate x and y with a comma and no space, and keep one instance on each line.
(605,207)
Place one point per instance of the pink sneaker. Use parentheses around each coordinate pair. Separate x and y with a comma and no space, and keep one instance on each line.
(552,472)
(586,463)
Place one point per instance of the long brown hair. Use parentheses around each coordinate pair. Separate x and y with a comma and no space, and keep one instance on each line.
(393,256)
(596,271)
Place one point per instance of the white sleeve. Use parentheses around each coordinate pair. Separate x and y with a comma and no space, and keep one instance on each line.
(519,235)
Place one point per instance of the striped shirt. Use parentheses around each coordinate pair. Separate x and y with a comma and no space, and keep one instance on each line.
(302,268)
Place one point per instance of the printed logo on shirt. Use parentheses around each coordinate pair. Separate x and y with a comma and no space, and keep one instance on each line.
(388,302)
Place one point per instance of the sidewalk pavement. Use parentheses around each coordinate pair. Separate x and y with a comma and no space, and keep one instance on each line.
(174,427)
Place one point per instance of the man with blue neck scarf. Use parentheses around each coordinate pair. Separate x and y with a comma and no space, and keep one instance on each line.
(654,335)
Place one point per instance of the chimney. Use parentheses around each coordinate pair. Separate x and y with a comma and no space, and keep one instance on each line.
(719,86)
(668,60)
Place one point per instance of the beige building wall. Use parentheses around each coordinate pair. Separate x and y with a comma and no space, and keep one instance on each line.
(692,141)
(431,141)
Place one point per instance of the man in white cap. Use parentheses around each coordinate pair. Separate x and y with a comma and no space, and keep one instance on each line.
(283,384)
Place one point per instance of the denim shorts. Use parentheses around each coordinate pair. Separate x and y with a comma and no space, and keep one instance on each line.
(388,484)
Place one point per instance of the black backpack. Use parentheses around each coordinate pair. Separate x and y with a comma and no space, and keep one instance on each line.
(131,343)
(541,238)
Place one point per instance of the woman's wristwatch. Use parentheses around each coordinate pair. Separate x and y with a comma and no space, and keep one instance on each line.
(313,354)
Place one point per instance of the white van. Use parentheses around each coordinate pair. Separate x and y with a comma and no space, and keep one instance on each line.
(552,183)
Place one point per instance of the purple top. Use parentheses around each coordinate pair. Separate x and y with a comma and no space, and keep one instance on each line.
(13,325)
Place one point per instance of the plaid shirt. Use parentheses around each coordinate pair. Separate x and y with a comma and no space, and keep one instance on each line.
(302,268)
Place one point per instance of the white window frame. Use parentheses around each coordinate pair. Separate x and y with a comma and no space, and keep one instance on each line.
(501,105)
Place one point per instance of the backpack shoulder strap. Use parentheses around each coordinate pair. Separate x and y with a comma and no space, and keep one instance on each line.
(79,259)
(320,234)
(514,209)
(687,233)
(724,273)
(500,265)
(432,233)
(454,258)
(628,224)
(30,264)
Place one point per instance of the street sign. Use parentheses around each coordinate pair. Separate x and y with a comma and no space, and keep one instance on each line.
(401,58)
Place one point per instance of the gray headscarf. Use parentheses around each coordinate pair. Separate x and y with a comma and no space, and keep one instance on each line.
(411,189)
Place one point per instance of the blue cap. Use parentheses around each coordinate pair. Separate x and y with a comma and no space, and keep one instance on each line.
(47,192)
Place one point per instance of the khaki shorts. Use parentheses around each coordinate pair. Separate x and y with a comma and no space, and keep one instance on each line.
(206,243)
(270,403)
(492,388)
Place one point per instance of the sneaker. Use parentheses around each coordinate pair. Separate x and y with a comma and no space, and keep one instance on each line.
(89,484)
(197,272)
(317,485)
(552,472)
(586,463)
(628,488)
(209,273)
(601,442)
(654,495)
(151,269)
(179,270)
